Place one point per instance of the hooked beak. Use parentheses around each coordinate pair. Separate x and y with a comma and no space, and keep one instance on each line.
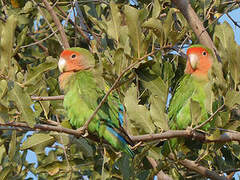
(193,59)
(61,64)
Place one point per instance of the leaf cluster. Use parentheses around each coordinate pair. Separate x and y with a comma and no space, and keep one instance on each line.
(118,33)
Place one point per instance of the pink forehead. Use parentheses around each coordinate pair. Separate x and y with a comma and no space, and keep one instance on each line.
(68,53)
(195,50)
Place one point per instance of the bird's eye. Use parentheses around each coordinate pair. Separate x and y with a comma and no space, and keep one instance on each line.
(204,53)
(74,56)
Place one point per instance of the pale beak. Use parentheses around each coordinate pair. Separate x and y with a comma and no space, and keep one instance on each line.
(193,58)
(61,64)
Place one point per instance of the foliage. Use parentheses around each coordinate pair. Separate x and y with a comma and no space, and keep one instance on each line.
(119,34)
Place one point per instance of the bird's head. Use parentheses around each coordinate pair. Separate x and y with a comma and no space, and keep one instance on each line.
(75,59)
(199,61)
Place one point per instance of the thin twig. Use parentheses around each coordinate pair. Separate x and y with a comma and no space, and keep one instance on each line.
(43,14)
(58,24)
(209,119)
(39,41)
(199,169)
(160,175)
(140,60)
(47,98)
(76,26)
(64,149)
(234,22)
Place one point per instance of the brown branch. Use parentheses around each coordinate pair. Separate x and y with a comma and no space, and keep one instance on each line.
(47,98)
(58,24)
(37,42)
(160,175)
(43,127)
(226,137)
(199,169)
(192,18)
(76,26)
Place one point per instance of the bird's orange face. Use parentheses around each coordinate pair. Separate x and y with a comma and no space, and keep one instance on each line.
(71,61)
(199,61)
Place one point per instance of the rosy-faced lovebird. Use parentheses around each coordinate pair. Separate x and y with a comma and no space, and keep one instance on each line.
(191,103)
(84,88)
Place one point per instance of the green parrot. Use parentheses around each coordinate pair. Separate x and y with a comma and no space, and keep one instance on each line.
(191,103)
(84,89)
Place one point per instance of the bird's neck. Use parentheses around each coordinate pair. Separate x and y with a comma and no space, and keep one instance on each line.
(64,79)
(70,78)
(200,77)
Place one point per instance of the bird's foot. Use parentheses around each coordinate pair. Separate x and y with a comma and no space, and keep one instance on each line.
(83,131)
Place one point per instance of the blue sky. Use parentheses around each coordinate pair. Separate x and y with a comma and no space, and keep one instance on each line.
(235,14)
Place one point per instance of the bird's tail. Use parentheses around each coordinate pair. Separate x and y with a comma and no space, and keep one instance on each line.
(115,139)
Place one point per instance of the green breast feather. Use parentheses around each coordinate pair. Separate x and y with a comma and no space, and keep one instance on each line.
(82,99)
(85,91)
(189,104)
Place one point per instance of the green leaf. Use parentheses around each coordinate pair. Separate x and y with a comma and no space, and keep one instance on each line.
(156,9)
(21,38)
(39,140)
(157,111)
(7,40)
(124,167)
(156,26)
(3,88)
(12,146)
(228,48)
(115,22)
(4,117)
(82,145)
(222,118)
(36,72)
(232,98)
(4,173)
(22,101)
(138,115)
(120,61)
(134,20)
(195,110)
(44,104)
(158,99)
(2,152)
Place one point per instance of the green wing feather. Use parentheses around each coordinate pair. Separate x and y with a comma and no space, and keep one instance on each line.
(190,92)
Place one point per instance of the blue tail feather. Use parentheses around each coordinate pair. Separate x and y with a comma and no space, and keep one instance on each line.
(120,114)
(123,141)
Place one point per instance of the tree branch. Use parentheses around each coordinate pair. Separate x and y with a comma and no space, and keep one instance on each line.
(58,24)
(160,175)
(234,22)
(47,98)
(75,25)
(226,137)
(186,9)
(199,169)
